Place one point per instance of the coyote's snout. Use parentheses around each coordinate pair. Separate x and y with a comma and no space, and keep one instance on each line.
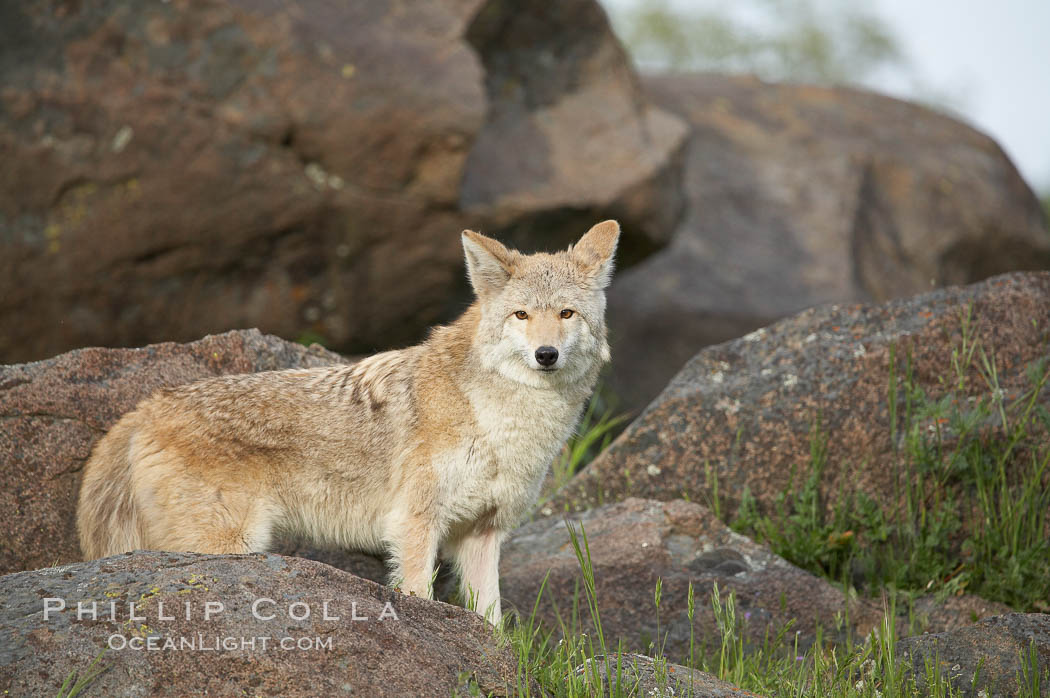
(546,357)
(440,447)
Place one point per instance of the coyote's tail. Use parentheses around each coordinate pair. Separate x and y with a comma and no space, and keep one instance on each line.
(108,519)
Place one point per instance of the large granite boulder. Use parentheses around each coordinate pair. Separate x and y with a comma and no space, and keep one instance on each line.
(171,169)
(743,413)
(799,196)
(53,411)
(238,625)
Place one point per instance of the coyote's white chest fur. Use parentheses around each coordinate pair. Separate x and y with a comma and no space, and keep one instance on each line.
(442,446)
(500,468)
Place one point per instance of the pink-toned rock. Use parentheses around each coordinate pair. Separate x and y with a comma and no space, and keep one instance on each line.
(932,615)
(743,412)
(278,626)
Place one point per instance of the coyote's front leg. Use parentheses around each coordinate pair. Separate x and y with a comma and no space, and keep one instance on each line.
(476,556)
(414,545)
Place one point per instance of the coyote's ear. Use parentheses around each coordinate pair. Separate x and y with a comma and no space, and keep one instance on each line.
(489,264)
(595,250)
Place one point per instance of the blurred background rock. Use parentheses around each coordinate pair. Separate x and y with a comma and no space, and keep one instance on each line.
(169,170)
(798,195)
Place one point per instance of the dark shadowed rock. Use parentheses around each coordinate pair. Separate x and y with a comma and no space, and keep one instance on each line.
(636,542)
(638,675)
(798,196)
(747,408)
(567,131)
(993,649)
(53,411)
(173,169)
(370,566)
(410,647)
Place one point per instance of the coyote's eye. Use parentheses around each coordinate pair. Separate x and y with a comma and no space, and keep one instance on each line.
(521,315)
(566,314)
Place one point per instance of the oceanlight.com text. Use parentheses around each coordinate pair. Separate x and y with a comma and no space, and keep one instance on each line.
(216,643)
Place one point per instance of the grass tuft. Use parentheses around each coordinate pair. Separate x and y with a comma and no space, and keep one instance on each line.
(76,682)
(592,436)
(972,470)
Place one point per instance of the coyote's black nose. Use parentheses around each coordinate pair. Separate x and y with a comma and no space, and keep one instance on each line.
(546,356)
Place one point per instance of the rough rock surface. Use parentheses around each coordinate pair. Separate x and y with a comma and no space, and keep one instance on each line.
(747,408)
(53,411)
(798,196)
(995,644)
(933,615)
(639,675)
(170,169)
(424,648)
(635,542)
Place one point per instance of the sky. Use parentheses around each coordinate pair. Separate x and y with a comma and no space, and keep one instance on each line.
(996,57)
(990,59)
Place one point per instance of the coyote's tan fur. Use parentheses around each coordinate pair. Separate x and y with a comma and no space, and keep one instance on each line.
(441,446)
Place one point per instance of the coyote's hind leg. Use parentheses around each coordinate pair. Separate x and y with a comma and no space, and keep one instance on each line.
(188,514)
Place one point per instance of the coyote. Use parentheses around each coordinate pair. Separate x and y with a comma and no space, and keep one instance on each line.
(438,447)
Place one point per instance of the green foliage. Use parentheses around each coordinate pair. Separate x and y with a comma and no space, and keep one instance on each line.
(799,529)
(562,668)
(796,40)
(972,471)
(1032,681)
(310,337)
